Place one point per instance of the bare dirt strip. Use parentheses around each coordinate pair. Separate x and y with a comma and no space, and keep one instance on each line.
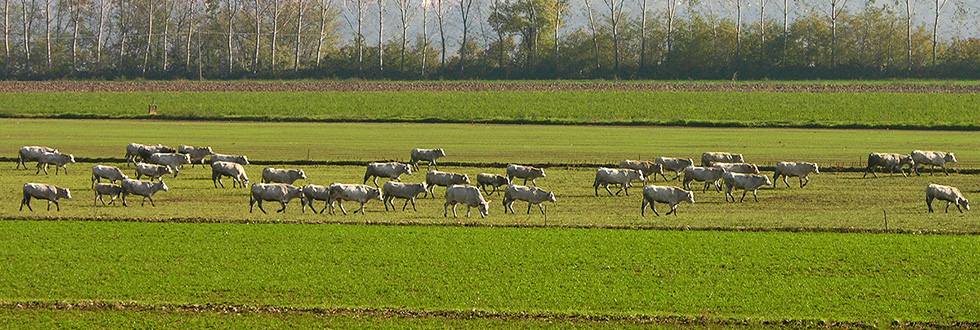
(475,224)
(678,320)
(478,86)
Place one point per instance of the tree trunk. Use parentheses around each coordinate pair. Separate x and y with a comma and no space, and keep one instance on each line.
(671,10)
(76,14)
(643,34)
(166,35)
(442,32)
(276,10)
(558,12)
(190,35)
(762,27)
(27,22)
(299,39)
(149,35)
(738,33)
(464,12)
(258,39)
(595,34)
(785,28)
(615,13)
(935,29)
(908,35)
(103,10)
(232,8)
(403,7)
(47,31)
(323,22)
(381,36)
(6,32)
(425,35)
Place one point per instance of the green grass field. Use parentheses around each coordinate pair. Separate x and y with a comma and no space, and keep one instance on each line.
(756,109)
(832,200)
(467,143)
(755,276)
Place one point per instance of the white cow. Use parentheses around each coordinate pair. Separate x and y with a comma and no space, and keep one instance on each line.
(110,173)
(674,164)
(274,192)
(667,195)
(59,160)
(287,176)
(468,195)
(744,182)
(888,161)
(390,170)
(352,192)
(524,172)
(146,189)
(428,155)
(531,195)
(31,154)
(933,159)
(406,191)
(709,158)
(708,175)
(48,192)
(650,169)
(106,189)
(234,170)
(617,176)
(801,170)
(951,195)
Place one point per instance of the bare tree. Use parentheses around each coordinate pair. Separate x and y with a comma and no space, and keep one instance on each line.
(497,21)
(940,4)
(324,5)
(405,13)
(440,14)
(149,35)
(643,33)
(121,10)
(105,6)
(425,34)
(231,9)
(299,35)
(909,10)
(836,8)
(355,20)
(381,35)
(258,33)
(615,14)
(762,26)
(464,14)
(561,6)
(276,11)
(28,11)
(6,32)
(75,9)
(785,27)
(669,15)
(190,35)
(738,30)
(47,31)
(595,33)
(166,35)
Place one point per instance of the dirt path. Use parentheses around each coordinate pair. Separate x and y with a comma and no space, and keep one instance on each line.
(545,86)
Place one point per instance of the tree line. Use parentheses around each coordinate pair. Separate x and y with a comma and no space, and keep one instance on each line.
(485,39)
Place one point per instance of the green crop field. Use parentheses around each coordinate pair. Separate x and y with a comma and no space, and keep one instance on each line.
(468,143)
(756,109)
(720,276)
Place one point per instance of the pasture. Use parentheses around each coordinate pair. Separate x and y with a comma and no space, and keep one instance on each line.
(715,277)
(814,257)
(683,108)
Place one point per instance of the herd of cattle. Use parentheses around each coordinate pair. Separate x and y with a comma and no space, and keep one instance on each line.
(717,169)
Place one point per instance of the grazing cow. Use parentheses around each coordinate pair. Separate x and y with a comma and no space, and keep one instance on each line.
(197,154)
(240,159)
(933,159)
(146,189)
(48,192)
(59,160)
(110,173)
(709,158)
(744,182)
(444,179)
(744,168)
(950,195)
(234,170)
(650,169)
(31,154)
(151,170)
(314,193)
(708,175)
(667,195)
(524,172)
(406,191)
(618,176)
(274,175)
(674,164)
(468,195)
(171,159)
(274,192)
(390,170)
(352,192)
(428,155)
(483,180)
(890,162)
(142,152)
(531,195)
(106,189)
(801,170)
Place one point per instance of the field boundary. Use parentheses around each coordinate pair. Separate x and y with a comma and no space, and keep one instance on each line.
(829,86)
(765,168)
(465,223)
(407,313)
(498,121)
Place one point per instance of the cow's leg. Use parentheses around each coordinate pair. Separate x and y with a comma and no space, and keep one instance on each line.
(445,210)
(543,208)
(959,208)
(662,176)
(468,209)
(26,201)
(405,207)
(672,209)
(259,201)
(947,206)
(653,206)
(743,196)
(341,204)
(755,194)
(282,207)
(945,171)
(375,182)
(626,189)
(787,182)
(49,206)
(607,189)
(643,207)
(529,208)
(361,209)
(454,211)
(58,206)
(596,186)
(413,204)
(124,199)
